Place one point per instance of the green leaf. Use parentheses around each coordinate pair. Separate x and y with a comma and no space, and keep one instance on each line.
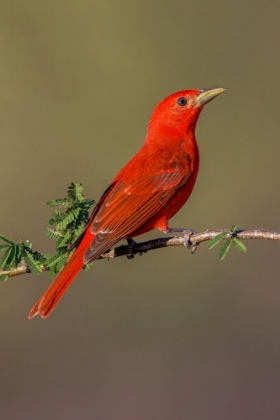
(72,215)
(57,217)
(18,253)
(30,262)
(78,230)
(61,263)
(53,234)
(4,246)
(63,240)
(52,272)
(55,259)
(214,241)
(4,238)
(88,202)
(39,257)
(60,202)
(88,266)
(233,228)
(52,203)
(225,248)
(75,191)
(46,257)
(4,277)
(5,257)
(12,257)
(239,245)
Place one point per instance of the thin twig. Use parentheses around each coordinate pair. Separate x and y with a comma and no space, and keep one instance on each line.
(141,247)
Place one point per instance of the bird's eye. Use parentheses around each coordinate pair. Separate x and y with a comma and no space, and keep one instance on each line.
(182,101)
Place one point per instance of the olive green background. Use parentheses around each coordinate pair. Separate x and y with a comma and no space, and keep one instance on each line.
(169,335)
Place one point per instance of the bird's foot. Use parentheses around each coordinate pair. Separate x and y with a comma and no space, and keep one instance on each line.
(131,253)
(187,235)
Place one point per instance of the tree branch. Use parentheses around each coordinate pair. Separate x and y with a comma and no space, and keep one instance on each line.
(195,240)
(141,247)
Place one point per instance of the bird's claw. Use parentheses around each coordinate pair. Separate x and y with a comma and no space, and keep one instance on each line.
(130,256)
(187,235)
(131,244)
(187,243)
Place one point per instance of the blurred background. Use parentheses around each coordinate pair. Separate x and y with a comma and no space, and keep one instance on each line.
(170,335)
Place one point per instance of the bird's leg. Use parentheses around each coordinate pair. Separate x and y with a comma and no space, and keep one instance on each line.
(130,243)
(187,234)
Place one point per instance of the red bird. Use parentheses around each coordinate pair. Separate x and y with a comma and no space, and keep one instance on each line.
(146,193)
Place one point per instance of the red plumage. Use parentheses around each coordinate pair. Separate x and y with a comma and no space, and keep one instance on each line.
(147,192)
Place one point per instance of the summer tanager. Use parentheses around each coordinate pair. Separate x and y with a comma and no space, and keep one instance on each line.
(146,193)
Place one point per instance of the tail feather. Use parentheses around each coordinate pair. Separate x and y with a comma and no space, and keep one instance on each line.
(50,298)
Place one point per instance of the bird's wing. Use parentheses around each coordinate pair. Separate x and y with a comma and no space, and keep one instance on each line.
(129,204)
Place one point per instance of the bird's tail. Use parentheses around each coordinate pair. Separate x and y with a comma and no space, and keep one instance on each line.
(50,298)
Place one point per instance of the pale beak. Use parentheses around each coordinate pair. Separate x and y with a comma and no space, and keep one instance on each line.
(206,95)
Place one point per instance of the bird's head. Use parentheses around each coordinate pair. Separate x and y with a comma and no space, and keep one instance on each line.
(181,109)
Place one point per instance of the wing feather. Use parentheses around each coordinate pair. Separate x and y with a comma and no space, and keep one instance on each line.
(130,204)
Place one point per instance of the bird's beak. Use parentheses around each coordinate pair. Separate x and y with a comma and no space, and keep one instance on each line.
(206,95)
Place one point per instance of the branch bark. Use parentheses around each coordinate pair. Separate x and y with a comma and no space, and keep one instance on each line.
(141,247)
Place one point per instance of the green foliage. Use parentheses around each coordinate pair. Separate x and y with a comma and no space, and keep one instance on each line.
(30,261)
(87,266)
(230,239)
(4,238)
(213,242)
(15,253)
(224,248)
(68,227)
(4,277)
(239,245)
(5,246)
